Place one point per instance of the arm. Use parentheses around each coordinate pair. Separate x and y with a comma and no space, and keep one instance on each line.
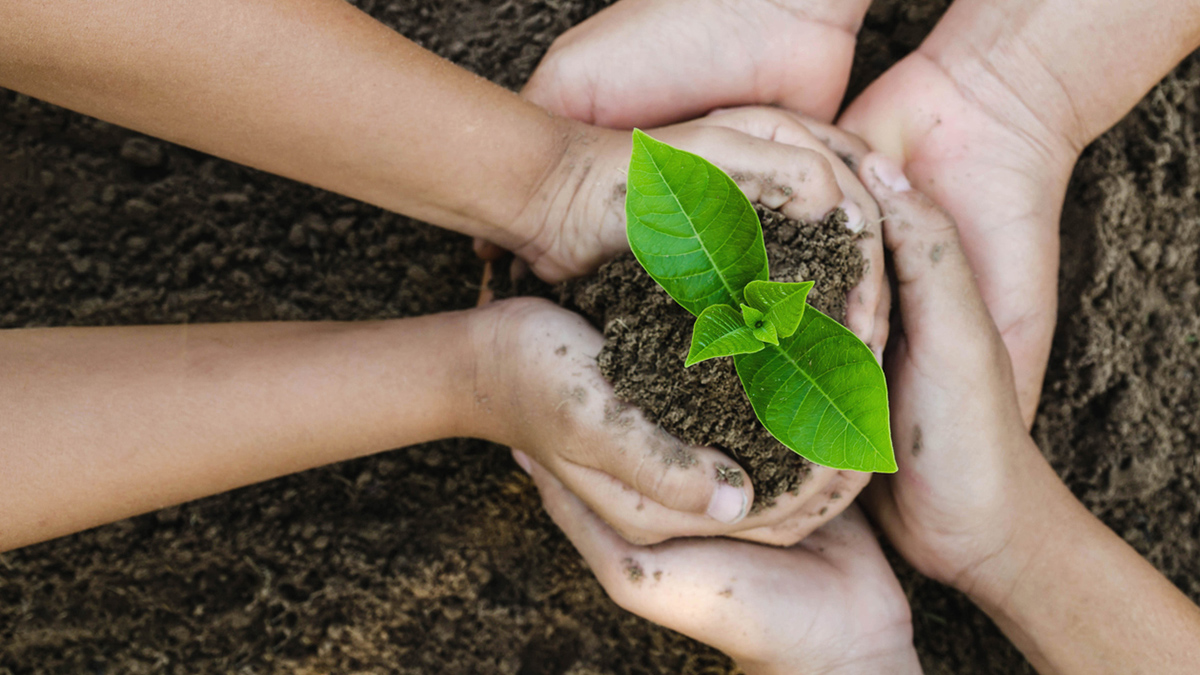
(98,424)
(314,90)
(975,504)
(1075,598)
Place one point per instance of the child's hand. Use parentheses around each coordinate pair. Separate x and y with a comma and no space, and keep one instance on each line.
(652,62)
(828,605)
(779,160)
(969,473)
(537,388)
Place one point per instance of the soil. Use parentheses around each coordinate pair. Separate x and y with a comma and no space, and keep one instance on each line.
(647,336)
(438,558)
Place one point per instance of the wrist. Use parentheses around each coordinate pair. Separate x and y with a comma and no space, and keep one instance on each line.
(1044,513)
(976,46)
(574,219)
(1054,58)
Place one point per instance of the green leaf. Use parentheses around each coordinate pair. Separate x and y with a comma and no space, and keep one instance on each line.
(759,326)
(719,331)
(822,394)
(690,226)
(766,333)
(782,303)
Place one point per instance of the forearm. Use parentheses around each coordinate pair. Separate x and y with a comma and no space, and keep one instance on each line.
(310,89)
(1075,598)
(97,424)
(1076,67)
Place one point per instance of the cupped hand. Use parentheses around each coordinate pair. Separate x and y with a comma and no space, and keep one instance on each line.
(538,388)
(830,604)
(779,159)
(969,476)
(1000,171)
(652,62)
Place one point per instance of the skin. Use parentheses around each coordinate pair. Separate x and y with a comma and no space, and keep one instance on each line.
(988,115)
(974,505)
(105,423)
(265,84)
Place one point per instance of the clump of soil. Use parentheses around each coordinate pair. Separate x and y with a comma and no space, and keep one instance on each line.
(647,337)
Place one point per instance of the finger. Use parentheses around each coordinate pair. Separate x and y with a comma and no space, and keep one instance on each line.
(789,522)
(937,291)
(799,182)
(684,585)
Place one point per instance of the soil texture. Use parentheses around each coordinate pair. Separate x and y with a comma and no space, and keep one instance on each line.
(647,335)
(437,559)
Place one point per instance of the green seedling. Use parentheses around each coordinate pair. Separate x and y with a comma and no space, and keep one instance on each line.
(812,383)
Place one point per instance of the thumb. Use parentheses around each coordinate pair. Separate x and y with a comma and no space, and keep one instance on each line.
(940,302)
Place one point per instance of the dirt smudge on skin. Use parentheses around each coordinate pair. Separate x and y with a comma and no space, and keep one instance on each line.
(633,570)
(730,475)
(561,351)
(918,441)
(935,254)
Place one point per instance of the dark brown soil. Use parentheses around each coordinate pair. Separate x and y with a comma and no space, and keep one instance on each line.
(648,335)
(438,559)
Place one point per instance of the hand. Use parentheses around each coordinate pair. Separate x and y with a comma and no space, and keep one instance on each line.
(830,604)
(779,159)
(970,476)
(537,387)
(1001,173)
(651,62)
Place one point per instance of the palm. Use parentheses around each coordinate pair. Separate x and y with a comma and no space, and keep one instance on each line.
(831,598)
(652,62)
(1003,187)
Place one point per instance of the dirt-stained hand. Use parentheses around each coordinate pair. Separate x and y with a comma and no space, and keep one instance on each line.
(967,467)
(830,604)
(538,388)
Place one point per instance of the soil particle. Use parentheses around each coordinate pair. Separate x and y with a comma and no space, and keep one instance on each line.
(647,337)
(730,475)
(633,570)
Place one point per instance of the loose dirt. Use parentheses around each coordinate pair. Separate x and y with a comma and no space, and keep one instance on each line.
(437,558)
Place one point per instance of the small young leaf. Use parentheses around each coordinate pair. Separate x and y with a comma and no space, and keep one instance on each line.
(766,333)
(752,317)
(719,331)
(757,322)
(822,394)
(690,226)
(782,303)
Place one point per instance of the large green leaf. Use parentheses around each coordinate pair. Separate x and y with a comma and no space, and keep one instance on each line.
(690,226)
(783,303)
(822,394)
(720,331)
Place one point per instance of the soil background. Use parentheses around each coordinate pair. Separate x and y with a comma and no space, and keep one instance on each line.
(438,558)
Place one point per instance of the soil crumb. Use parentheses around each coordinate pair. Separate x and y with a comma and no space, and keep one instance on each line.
(647,337)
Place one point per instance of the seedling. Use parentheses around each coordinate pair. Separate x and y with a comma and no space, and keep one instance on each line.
(812,383)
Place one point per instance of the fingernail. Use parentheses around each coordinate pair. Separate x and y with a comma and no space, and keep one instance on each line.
(854,215)
(890,173)
(728,504)
(523,461)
